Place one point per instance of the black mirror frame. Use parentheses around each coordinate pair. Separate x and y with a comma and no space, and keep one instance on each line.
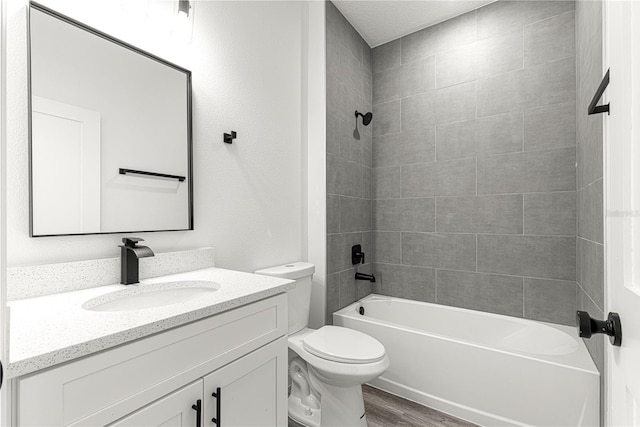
(107,37)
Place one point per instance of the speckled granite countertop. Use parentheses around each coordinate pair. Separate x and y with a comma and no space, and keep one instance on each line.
(52,329)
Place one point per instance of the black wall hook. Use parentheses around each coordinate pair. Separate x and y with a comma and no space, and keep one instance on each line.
(229,137)
(594,108)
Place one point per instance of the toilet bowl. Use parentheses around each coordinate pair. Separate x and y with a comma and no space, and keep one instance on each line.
(329,365)
(336,370)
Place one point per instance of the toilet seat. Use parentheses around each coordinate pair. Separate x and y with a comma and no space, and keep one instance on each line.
(343,345)
(340,371)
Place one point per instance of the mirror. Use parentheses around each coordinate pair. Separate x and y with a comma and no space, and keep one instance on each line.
(110,137)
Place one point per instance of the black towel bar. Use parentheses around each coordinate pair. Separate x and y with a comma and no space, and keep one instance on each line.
(593,107)
(163,175)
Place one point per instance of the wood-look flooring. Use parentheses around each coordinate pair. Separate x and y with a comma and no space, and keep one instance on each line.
(387,410)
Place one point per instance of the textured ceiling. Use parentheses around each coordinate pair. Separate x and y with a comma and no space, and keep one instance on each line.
(380,21)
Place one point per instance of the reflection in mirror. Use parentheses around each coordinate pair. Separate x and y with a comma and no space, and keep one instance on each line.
(99,106)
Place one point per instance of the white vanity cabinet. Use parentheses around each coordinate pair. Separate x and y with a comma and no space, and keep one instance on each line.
(174,410)
(243,393)
(244,389)
(156,380)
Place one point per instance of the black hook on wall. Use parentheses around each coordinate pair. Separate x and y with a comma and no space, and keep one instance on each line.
(594,108)
(229,137)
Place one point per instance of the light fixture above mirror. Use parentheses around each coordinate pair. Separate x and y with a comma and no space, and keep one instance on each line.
(184,7)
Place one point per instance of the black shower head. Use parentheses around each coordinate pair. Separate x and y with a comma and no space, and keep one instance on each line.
(366,118)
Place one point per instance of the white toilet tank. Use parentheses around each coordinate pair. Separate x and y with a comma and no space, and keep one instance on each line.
(300,297)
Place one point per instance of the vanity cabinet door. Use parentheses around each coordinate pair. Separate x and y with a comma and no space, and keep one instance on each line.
(252,390)
(174,410)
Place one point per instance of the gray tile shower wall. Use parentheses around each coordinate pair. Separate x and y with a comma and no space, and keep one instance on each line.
(473,169)
(589,179)
(349,176)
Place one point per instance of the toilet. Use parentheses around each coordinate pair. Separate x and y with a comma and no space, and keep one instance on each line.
(327,366)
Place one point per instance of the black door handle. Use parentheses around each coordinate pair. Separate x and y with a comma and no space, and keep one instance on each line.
(588,326)
(198,408)
(218,397)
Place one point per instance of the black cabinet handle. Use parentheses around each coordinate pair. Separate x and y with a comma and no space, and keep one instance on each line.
(198,408)
(218,397)
(588,326)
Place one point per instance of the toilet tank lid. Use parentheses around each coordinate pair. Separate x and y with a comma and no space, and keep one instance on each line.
(292,270)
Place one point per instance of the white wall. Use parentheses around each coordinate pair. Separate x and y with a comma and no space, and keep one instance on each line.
(5,396)
(246,62)
(315,244)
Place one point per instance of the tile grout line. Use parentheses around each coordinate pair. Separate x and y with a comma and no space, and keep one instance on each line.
(435,296)
(475,88)
(523,214)
(466,195)
(523,46)
(524,290)
(548,18)
(401,251)
(489,116)
(476,252)
(472,233)
(486,156)
(435,214)
(590,241)
(476,166)
(476,272)
(589,296)
(523,126)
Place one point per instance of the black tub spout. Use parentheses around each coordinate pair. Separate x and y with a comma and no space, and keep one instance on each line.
(370,277)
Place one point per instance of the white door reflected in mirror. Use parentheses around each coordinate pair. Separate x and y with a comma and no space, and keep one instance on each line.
(66,162)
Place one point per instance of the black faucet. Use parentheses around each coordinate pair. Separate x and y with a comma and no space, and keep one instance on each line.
(129,255)
(369,277)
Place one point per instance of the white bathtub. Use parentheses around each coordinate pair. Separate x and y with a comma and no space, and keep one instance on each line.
(485,368)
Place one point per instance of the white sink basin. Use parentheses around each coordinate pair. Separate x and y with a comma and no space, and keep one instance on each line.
(139,297)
